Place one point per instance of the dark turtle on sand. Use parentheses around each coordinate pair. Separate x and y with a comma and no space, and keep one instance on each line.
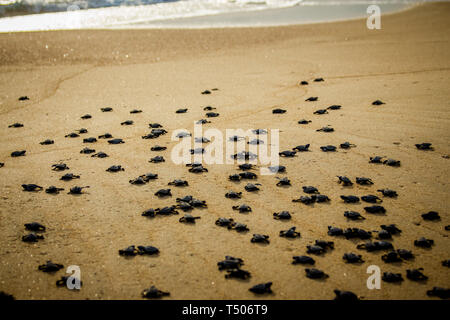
(335,231)
(423,242)
(233,195)
(278,111)
(16,125)
(178,183)
(303,83)
(238,273)
(392,277)
(312,99)
(384,235)
(150,136)
(134,111)
(230,263)
(47,142)
(315,249)
(184,110)
(250,187)
(325,129)
(319,198)
(86,116)
(2,164)
(18,153)
(392,162)
(59,167)
(256,142)
(32,237)
(391,257)
(446,263)
(187,218)
(53,190)
(353,215)
(198,169)
(334,107)
(163,193)
(431,216)
(344,181)
(416,274)
(275,169)
(239,227)
(100,155)
(363,181)
(129,251)
(345,296)
(328,148)
(283,182)
(352,258)
(116,141)
(375,209)
(242,208)
(261,288)
(106,109)
(319,80)
(314,273)
(310,189)
(208,108)
(62,282)
(283,215)
(50,267)
(202,121)
(303,121)
(23,98)
(388,193)
(212,114)
(201,140)
(69,176)
(439,292)
(105,136)
(183,134)
(138,181)
(391,228)
(370,198)
(405,254)
(206,92)
(82,130)
(34,226)
(260,238)
(305,200)
(376,159)
(350,199)
(155,125)
(347,145)
(31,187)
(87,150)
(375,246)
(246,166)
(290,233)
(324,244)
(302,148)
(154,293)
(115,168)
(424,146)
(224,222)
(166,211)
(77,190)
(185,206)
(248,175)
(244,155)
(185,199)
(127,123)
(287,153)
(320,111)
(377,102)
(197,151)
(259,131)
(352,233)
(157,159)
(303,260)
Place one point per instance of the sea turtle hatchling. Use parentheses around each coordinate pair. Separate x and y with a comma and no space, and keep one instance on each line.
(225,222)
(377,103)
(31,187)
(334,107)
(375,246)
(416,274)
(310,189)
(344,181)
(32,237)
(345,296)
(100,155)
(328,148)
(237,273)
(303,121)
(375,209)
(198,169)
(157,159)
(163,193)
(34,226)
(376,159)
(276,169)
(283,182)
(116,141)
(158,148)
(53,190)
(391,162)
(86,116)
(105,136)
(350,199)
(320,111)
(283,215)
(363,181)
(106,109)
(47,142)
(49,266)
(115,168)
(431,216)
(391,256)
(312,99)
(392,277)
(303,260)
(127,123)
(314,273)
(443,293)
(278,111)
(59,167)
(388,193)
(16,125)
(424,146)
(250,187)
(212,114)
(262,288)
(325,129)
(352,258)
(370,198)
(423,242)
(260,238)
(242,208)
(230,263)
(87,150)
(353,215)
(20,153)
(287,153)
(187,218)
(134,111)
(391,228)
(233,195)
(347,145)
(183,110)
(302,148)
(69,176)
(178,183)
(290,233)
(154,293)
(77,190)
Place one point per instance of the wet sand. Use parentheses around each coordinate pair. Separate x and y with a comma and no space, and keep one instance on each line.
(71,73)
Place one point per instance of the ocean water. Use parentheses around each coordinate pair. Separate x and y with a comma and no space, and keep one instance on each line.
(36,15)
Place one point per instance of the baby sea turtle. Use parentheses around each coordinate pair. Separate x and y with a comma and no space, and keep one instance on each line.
(116,141)
(53,190)
(392,162)
(371,199)
(328,148)
(315,249)
(303,260)
(314,273)
(212,114)
(127,123)
(185,206)
(290,233)
(18,153)
(59,167)
(100,155)
(384,235)
(155,125)
(303,121)
(390,257)
(23,98)
(375,246)
(187,218)
(388,193)
(154,293)
(344,181)
(31,187)
(350,199)
(184,110)
(334,107)
(157,159)
(129,251)
(197,151)
(259,131)
(391,228)
(224,222)
(260,238)
(276,169)
(50,267)
(363,181)
(416,274)
(283,182)
(32,237)
(208,108)
(242,208)
(377,103)
(47,142)
(278,111)
(345,296)
(201,140)
(303,83)
(138,181)
(376,159)
(89,140)
(320,111)
(246,166)
(230,263)
(302,148)
(163,193)
(198,169)
(283,215)
(87,150)
(423,242)
(69,176)
(16,125)
(82,130)
(178,183)
(262,288)
(325,129)
(347,145)
(244,155)
(238,273)
(34,226)
(248,175)
(287,153)
(250,187)
(134,111)
(86,116)
(105,136)
(439,292)
(353,215)
(239,227)
(203,121)
(62,282)
(352,258)
(305,200)
(392,277)
(256,142)
(424,146)
(375,209)
(233,195)
(431,216)
(319,80)
(335,231)
(310,189)
(106,109)
(115,168)
(351,233)
(77,190)
(312,99)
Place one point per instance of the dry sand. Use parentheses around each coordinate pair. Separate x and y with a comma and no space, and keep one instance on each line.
(69,73)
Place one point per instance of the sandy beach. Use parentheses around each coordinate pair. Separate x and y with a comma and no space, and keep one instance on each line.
(67,74)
